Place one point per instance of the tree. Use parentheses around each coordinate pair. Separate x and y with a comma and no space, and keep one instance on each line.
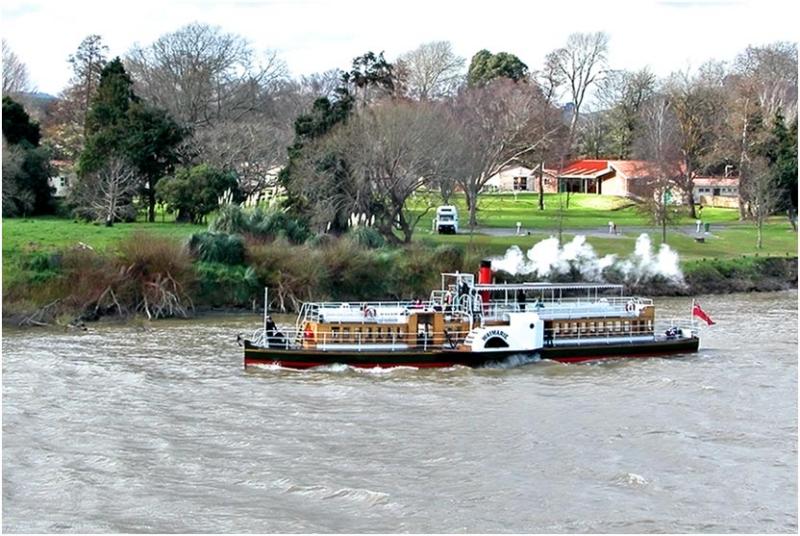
(623,93)
(194,192)
(15,73)
(578,64)
(375,162)
(431,71)
(87,66)
(697,102)
(659,145)
(779,149)
(763,82)
(763,193)
(486,66)
(17,124)
(120,125)
(201,75)
(497,123)
(106,194)
(26,166)
(371,78)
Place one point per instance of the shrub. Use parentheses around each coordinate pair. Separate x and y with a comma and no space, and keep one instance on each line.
(260,224)
(217,247)
(223,285)
(158,273)
(367,237)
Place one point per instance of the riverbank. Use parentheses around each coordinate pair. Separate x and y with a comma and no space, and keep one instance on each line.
(217,294)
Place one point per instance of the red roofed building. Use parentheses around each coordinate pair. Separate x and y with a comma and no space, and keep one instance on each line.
(625,178)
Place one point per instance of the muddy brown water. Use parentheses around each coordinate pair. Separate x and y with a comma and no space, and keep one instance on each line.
(159,429)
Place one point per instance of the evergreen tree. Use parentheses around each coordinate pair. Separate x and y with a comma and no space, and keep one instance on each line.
(780,150)
(17,124)
(486,66)
(120,125)
(26,166)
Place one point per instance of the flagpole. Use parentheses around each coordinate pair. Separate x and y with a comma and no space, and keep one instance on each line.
(692,315)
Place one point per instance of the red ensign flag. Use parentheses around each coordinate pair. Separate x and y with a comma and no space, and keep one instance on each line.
(698,312)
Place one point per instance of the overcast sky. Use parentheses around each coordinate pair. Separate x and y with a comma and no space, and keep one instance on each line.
(317,35)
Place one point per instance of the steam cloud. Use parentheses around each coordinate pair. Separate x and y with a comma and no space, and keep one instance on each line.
(546,258)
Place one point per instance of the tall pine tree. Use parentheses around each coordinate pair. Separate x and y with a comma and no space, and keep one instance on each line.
(120,125)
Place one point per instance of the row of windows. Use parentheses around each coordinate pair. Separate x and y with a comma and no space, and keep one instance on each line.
(367,334)
(717,191)
(602,327)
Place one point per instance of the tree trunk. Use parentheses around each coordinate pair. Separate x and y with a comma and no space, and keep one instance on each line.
(472,205)
(541,186)
(664,231)
(151,204)
(790,212)
(759,236)
(742,159)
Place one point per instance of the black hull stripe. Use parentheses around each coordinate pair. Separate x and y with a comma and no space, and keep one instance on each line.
(447,358)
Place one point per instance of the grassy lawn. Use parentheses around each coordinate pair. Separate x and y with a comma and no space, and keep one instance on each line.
(734,241)
(589,212)
(585,211)
(23,235)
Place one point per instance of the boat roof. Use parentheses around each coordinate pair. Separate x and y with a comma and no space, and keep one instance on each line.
(549,286)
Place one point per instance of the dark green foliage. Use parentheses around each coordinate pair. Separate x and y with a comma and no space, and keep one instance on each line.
(17,124)
(323,116)
(120,125)
(26,171)
(486,66)
(260,224)
(26,166)
(195,192)
(224,285)
(780,149)
(217,247)
(371,70)
(367,237)
(741,275)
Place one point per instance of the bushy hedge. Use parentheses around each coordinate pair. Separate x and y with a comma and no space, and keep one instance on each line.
(217,247)
(259,223)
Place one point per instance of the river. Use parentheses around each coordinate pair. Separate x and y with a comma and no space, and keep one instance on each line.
(157,428)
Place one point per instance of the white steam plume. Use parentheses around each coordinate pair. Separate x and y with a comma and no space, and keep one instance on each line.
(546,258)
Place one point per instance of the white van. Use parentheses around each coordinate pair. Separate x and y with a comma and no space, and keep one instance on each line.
(446,220)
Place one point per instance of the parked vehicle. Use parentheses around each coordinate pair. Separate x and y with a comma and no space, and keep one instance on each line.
(446,220)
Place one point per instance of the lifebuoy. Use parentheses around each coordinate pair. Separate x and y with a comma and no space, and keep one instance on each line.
(630,307)
(370,312)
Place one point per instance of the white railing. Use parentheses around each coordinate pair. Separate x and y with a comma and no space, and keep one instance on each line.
(287,337)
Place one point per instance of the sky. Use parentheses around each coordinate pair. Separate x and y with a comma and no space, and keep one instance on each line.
(317,35)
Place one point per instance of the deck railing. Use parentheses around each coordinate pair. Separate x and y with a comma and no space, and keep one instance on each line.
(287,337)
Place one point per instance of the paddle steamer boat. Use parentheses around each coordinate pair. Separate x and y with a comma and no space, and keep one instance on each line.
(472,324)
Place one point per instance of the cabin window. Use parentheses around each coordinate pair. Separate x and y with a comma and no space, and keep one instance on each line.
(592,327)
(574,326)
(334,333)
(556,328)
(626,326)
(649,325)
(346,334)
(617,326)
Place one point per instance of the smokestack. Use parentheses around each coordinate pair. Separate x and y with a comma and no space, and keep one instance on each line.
(485,278)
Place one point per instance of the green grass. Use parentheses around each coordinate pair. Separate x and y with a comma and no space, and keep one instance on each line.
(24,236)
(734,241)
(585,211)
